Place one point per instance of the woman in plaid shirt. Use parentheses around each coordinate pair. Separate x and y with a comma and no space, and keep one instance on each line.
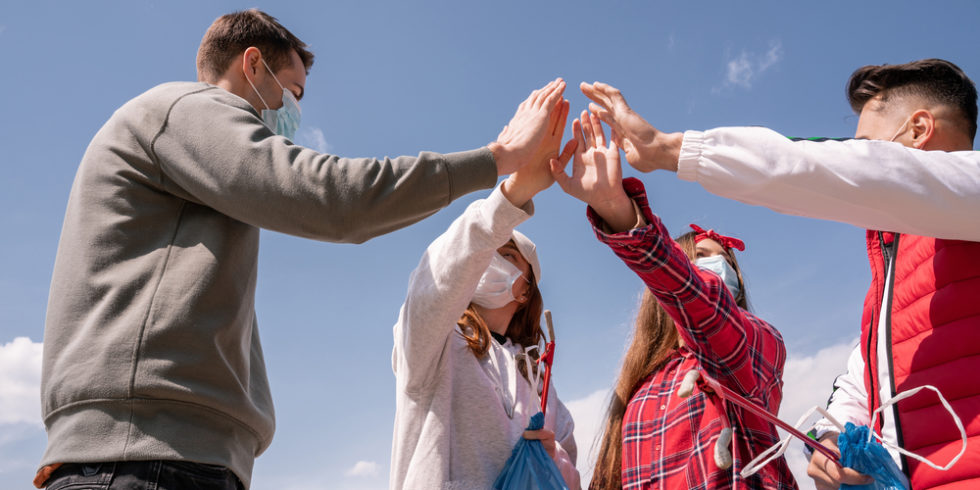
(690,319)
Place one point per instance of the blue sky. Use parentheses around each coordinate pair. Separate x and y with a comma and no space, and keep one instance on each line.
(395,78)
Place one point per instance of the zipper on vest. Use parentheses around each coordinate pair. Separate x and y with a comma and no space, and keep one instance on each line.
(873,329)
(892,263)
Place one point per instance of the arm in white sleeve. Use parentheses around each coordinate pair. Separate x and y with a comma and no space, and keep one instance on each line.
(442,285)
(875,185)
(849,401)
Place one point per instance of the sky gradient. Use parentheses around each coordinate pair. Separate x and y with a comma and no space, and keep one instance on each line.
(394,78)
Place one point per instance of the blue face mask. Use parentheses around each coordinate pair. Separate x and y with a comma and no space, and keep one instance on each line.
(720,266)
(285,120)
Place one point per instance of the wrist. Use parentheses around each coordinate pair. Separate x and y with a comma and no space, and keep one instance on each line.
(670,150)
(618,212)
(516,194)
(500,158)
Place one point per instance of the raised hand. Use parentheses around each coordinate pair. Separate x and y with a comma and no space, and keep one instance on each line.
(597,175)
(536,176)
(527,137)
(646,148)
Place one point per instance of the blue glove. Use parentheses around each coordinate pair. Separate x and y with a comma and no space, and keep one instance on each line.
(870,458)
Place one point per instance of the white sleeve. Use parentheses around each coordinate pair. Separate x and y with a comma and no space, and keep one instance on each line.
(440,288)
(849,401)
(876,185)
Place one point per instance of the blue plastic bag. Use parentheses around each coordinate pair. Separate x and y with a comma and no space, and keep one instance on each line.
(870,458)
(529,466)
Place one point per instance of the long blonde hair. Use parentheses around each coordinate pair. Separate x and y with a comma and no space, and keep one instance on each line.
(655,337)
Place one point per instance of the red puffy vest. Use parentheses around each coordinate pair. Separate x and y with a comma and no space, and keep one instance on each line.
(934,339)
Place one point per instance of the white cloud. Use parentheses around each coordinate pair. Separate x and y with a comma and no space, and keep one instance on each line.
(313,137)
(744,69)
(589,414)
(20,382)
(363,468)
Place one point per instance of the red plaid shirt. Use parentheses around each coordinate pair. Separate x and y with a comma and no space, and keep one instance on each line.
(668,441)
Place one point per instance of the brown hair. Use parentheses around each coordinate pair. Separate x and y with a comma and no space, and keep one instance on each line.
(230,35)
(655,337)
(524,328)
(938,81)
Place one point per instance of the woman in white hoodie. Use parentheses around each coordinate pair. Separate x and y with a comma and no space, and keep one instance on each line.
(465,379)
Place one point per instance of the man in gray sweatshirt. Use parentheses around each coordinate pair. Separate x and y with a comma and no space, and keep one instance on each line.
(153,372)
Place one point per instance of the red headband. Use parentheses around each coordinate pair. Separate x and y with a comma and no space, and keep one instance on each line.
(725,241)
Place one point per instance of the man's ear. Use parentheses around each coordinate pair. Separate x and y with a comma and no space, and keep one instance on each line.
(923,126)
(251,63)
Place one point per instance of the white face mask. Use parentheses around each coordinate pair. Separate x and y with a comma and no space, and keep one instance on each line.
(285,120)
(720,266)
(496,287)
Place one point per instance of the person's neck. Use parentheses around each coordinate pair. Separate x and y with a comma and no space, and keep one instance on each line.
(497,319)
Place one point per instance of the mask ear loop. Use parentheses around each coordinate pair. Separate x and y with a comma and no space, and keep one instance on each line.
(905,394)
(777,450)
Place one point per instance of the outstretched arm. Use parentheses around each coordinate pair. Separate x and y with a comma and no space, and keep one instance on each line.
(442,285)
(871,184)
(733,345)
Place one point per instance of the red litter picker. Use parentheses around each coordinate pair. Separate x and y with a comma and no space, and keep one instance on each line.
(548,358)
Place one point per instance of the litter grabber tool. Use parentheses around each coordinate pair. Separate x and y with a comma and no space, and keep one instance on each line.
(548,358)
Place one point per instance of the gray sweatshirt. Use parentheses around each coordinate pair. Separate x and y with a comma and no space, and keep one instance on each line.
(151,346)
(457,416)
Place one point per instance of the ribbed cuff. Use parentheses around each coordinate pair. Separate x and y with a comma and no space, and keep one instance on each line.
(470,171)
(687,163)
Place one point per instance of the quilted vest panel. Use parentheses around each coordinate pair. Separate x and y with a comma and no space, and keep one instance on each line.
(934,340)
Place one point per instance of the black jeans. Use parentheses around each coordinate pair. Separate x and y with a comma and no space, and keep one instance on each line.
(143,475)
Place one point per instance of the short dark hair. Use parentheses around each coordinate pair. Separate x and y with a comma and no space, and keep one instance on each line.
(232,34)
(936,80)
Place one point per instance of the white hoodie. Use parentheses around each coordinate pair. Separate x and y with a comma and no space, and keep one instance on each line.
(458,417)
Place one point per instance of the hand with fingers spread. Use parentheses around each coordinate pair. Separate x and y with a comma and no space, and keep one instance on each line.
(646,147)
(527,138)
(536,176)
(597,175)
(826,474)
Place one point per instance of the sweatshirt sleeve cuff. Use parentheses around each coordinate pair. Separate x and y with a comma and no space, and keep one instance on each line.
(687,163)
(470,171)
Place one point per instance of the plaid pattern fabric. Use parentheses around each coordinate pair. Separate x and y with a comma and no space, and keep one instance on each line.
(668,442)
